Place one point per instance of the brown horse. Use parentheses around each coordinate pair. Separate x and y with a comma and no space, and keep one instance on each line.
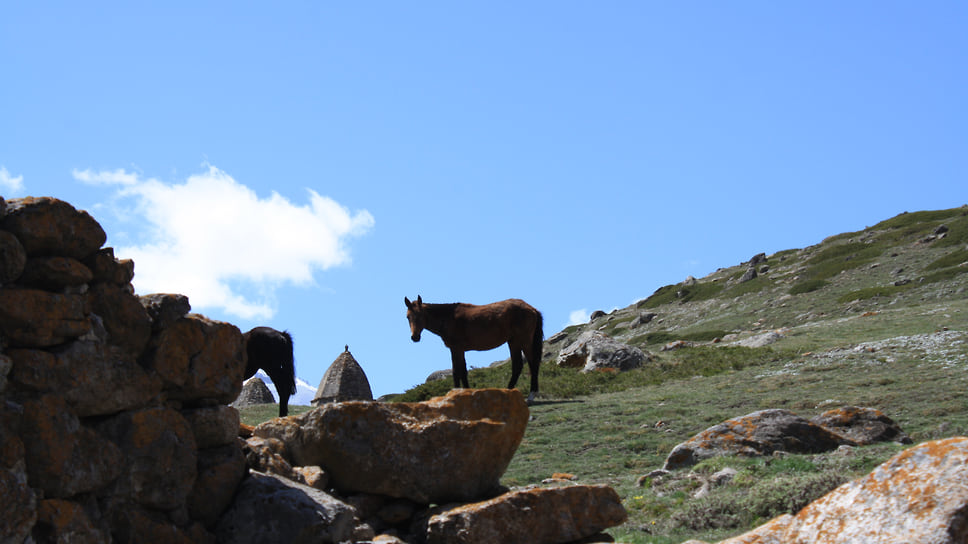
(465,327)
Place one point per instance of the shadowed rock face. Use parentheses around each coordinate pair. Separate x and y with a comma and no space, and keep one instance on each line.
(109,413)
(450,448)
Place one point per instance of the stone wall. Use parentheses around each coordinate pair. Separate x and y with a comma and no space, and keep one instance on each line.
(113,416)
(114,427)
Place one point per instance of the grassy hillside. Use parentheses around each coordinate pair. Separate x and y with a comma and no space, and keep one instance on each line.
(874,318)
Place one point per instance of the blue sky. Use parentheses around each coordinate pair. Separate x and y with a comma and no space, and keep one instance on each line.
(307,165)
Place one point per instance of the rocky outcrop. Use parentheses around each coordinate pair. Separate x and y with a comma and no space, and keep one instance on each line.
(111,419)
(594,350)
(413,472)
(917,496)
(398,449)
(343,380)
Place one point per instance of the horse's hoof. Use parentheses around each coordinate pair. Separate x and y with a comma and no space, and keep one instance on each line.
(530,399)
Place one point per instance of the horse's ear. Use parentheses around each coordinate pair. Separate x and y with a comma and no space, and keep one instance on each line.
(407,302)
(419,301)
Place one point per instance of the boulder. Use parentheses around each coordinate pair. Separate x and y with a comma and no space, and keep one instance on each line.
(59,520)
(213,426)
(17,500)
(642,319)
(760,340)
(92,377)
(254,392)
(220,471)
(760,433)
(35,318)
(13,258)
(63,457)
(538,516)
(917,496)
(864,426)
(48,226)
(595,350)
(750,274)
(343,380)
(124,318)
(107,269)
(268,509)
(132,524)
(449,448)
(55,273)
(198,358)
(165,309)
(159,456)
(439,375)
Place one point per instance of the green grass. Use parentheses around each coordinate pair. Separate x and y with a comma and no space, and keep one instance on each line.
(872,292)
(253,415)
(808,286)
(954,258)
(682,294)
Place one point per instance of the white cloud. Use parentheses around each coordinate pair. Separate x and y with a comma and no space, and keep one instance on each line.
(215,240)
(118,177)
(578,317)
(10,184)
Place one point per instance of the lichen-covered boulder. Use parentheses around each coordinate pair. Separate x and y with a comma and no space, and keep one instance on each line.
(919,495)
(63,457)
(758,433)
(35,318)
(48,226)
(538,516)
(865,426)
(198,358)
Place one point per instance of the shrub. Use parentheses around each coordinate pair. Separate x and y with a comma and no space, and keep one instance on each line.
(788,495)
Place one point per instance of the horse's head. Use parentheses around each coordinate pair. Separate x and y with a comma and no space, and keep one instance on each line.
(415,316)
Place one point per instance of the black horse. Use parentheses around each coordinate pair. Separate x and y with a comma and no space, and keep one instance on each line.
(271,350)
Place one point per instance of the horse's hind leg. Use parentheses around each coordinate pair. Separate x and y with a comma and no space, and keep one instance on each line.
(533,367)
(459,369)
(517,364)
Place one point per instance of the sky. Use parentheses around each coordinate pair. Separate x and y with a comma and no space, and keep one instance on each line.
(306,165)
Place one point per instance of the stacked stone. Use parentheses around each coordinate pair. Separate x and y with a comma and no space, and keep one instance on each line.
(113,418)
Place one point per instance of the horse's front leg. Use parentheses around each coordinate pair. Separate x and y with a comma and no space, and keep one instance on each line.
(459,369)
(283,403)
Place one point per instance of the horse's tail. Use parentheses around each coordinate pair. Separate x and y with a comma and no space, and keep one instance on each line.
(537,340)
(288,365)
